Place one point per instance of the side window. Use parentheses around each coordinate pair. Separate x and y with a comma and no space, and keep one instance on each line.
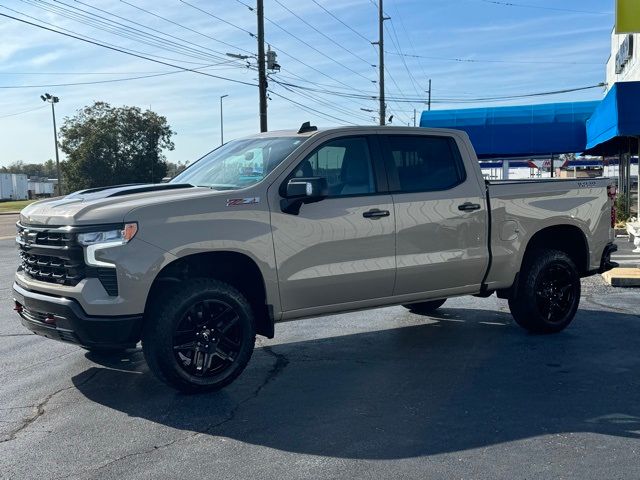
(425,163)
(345,163)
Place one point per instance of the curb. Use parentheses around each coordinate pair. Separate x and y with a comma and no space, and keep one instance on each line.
(9,213)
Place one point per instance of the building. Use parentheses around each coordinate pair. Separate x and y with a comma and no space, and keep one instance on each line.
(40,187)
(624,62)
(13,186)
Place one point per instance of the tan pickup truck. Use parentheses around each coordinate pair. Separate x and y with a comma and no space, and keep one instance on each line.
(294,224)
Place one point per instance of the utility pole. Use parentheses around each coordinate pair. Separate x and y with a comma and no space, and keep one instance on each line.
(262,73)
(52,99)
(414,117)
(222,120)
(429,101)
(380,43)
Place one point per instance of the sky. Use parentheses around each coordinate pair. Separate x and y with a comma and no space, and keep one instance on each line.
(470,49)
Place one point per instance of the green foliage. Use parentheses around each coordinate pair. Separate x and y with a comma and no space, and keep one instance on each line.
(622,208)
(174,169)
(46,169)
(105,145)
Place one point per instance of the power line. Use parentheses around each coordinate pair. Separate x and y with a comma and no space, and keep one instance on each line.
(400,99)
(294,58)
(327,103)
(23,112)
(471,60)
(323,34)
(310,109)
(222,54)
(98,22)
(342,22)
(108,73)
(186,28)
(218,18)
(408,37)
(62,29)
(113,80)
(116,49)
(540,7)
(328,57)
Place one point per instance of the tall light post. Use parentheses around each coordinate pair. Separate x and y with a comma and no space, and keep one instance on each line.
(53,100)
(222,121)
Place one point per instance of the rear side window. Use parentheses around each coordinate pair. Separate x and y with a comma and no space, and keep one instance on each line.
(425,163)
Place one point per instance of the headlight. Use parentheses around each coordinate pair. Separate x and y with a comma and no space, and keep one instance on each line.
(93,241)
(115,237)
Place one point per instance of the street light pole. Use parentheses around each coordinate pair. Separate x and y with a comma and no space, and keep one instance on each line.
(222,120)
(52,99)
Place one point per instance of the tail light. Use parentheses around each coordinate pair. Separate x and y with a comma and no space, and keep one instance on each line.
(612,192)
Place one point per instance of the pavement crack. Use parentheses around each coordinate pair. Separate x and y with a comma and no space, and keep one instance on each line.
(40,409)
(281,361)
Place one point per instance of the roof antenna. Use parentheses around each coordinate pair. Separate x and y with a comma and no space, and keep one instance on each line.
(307,127)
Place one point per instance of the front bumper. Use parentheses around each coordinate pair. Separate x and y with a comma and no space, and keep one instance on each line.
(63,319)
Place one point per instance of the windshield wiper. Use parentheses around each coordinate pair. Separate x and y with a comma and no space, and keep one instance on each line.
(220,187)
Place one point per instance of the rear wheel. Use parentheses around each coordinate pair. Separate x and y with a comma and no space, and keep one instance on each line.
(548,292)
(201,337)
(425,308)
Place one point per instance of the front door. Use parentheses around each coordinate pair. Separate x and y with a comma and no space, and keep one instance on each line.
(341,249)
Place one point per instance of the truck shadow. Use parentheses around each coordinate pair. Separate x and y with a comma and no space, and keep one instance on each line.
(469,380)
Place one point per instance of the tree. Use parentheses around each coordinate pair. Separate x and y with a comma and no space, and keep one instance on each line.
(105,145)
(174,169)
(46,169)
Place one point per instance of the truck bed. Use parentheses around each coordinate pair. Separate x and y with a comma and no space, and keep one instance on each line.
(520,208)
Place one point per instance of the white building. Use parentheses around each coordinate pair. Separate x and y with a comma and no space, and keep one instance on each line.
(624,63)
(13,186)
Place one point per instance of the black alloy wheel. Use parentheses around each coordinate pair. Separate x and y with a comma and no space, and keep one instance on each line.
(555,292)
(199,337)
(547,294)
(208,338)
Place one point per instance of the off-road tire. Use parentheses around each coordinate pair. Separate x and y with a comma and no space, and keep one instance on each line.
(526,300)
(163,318)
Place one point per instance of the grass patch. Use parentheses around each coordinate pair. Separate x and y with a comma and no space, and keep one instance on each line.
(14,206)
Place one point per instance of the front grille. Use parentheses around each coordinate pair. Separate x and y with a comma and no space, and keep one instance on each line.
(53,255)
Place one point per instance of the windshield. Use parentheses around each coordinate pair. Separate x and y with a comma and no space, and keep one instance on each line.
(239,163)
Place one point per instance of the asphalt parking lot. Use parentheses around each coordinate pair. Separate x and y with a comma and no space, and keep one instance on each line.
(463,394)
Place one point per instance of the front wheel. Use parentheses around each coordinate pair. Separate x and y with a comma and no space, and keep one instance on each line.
(548,292)
(201,337)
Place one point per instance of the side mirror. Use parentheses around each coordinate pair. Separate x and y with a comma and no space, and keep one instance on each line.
(303,190)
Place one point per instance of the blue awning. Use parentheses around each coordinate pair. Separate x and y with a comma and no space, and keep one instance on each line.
(520,130)
(618,115)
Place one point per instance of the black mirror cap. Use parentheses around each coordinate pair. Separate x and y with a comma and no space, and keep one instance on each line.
(307,189)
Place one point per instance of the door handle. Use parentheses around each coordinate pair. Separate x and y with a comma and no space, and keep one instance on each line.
(468,207)
(376,213)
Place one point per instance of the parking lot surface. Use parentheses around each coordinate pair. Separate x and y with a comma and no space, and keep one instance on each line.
(386,393)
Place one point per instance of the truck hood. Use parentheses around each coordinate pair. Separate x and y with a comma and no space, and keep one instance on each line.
(103,205)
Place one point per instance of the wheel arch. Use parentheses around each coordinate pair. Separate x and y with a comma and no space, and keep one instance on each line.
(235,268)
(569,239)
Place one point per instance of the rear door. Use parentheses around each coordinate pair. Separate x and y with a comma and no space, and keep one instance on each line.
(440,216)
(342,249)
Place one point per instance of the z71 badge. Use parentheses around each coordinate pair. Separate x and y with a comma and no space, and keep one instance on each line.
(234,202)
